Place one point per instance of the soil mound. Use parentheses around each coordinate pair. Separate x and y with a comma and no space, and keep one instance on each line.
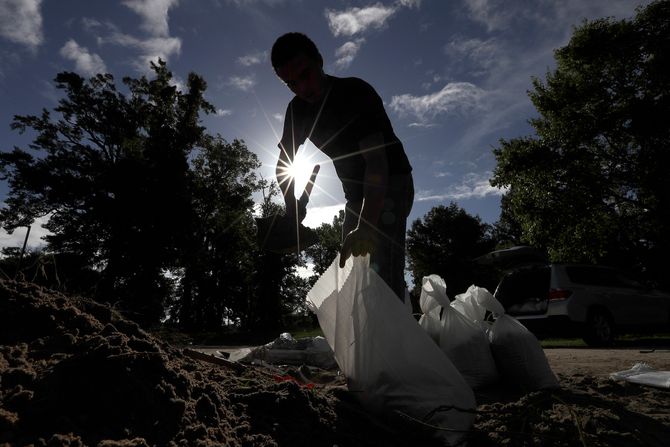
(75,373)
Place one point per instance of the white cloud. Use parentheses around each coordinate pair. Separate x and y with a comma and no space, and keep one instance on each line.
(223,112)
(353,21)
(17,238)
(473,186)
(357,20)
(244,83)
(21,22)
(90,24)
(253,59)
(491,13)
(85,62)
(423,125)
(500,15)
(484,54)
(154,14)
(178,83)
(410,3)
(347,52)
(567,10)
(150,49)
(455,97)
(160,45)
(278,116)
(243,3)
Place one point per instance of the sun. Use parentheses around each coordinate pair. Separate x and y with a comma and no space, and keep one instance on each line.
(299,171)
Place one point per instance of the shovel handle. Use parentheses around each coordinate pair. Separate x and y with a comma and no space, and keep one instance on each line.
(304,198)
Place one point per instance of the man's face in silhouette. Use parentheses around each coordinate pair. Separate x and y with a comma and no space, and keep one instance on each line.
(305,77)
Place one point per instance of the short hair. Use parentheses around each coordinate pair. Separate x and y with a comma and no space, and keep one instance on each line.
(289,45)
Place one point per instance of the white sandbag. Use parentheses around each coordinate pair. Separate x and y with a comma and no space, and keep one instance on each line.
(390,363)
(286,350)
(433,298)
(643,374)
(519,356)
(433,293)
(478,305)
(467,347)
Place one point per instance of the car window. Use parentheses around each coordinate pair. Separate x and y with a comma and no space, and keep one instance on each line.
(600,276)
(523,285)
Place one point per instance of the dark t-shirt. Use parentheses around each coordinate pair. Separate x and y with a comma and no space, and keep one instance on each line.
(350,111)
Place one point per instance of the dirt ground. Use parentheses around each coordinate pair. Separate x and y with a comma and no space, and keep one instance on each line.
(75,373)
(602,362)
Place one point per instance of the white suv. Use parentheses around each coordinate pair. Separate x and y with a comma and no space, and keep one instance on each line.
(590,300)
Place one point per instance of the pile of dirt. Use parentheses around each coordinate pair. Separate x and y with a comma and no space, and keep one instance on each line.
(586,411)
(74,373)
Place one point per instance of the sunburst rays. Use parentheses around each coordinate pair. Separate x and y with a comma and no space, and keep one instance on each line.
(288,171)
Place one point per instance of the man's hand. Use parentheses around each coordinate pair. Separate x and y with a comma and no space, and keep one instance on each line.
(296,209)
(358,242)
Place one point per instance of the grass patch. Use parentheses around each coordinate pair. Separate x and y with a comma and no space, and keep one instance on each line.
(621,341)
(563,343)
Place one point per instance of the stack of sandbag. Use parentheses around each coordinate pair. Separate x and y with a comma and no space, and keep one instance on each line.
(460,338)
(432,301)
(517,352)
(391,365)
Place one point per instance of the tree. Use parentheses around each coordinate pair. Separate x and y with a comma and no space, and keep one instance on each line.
(445,242)
(507,231)
(593,184)
(324,252)
(279,290)
(111,172)
(59,271)
(218,264)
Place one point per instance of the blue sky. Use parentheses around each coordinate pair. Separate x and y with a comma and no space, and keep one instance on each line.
(453,74)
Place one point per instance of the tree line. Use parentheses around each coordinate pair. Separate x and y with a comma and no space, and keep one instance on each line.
(149,212)
(146,210)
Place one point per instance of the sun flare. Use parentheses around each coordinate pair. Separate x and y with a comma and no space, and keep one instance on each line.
(299,170)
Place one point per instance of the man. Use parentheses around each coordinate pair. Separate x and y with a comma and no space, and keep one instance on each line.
(345,119)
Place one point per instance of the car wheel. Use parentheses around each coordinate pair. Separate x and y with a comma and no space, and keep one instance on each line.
(599,329)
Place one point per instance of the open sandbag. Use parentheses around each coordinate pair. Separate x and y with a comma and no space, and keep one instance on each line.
(390,363)
(432,300)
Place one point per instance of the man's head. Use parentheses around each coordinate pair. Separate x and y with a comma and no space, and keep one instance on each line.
(297,61)
(290,45)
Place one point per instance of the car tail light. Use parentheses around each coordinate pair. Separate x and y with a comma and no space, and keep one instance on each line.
(559,294)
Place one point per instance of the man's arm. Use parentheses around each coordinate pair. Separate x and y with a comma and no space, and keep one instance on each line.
(360,241)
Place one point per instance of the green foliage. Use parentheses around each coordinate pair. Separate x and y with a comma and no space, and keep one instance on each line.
(218,263)
(146,210)
(111,173)
(330,240)
(280,291)
(593,185)
(445,242)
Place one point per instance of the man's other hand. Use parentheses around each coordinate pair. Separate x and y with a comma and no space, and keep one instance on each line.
(296,208)
(358,242)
